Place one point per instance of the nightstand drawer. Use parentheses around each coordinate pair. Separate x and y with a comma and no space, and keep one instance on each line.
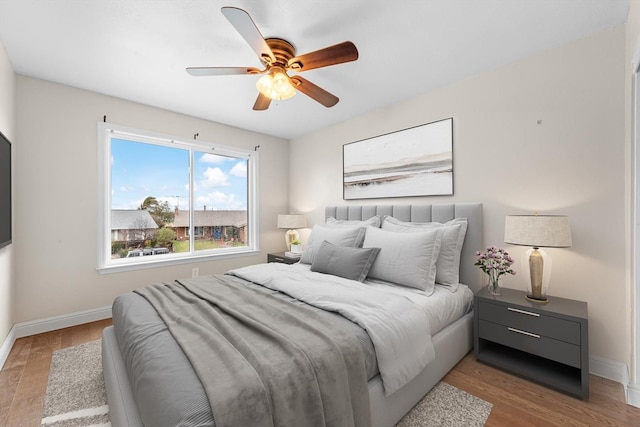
(530,321)
(531,342)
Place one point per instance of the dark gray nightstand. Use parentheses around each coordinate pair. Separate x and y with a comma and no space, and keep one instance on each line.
(546,343)
(281,257)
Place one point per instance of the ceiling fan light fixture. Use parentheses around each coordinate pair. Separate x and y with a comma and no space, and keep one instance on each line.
(276,85)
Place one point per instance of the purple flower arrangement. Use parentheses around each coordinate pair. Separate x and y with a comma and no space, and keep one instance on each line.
(495,262)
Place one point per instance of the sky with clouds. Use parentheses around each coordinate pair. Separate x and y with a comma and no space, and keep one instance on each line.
(139,170)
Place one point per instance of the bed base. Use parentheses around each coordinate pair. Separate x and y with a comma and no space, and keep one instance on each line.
(122,407)
(451,345)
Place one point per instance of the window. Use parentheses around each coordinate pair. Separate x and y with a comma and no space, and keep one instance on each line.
(167,200)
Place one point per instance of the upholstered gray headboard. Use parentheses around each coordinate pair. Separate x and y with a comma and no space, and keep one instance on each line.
(470,275)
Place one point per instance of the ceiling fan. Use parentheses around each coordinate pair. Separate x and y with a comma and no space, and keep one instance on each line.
(278,57)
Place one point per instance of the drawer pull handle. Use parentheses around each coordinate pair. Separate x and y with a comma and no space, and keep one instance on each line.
(529,334)
(523,312)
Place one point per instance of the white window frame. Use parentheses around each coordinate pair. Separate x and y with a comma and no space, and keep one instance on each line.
(107,265)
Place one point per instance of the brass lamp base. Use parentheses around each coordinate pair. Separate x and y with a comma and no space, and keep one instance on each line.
(541,300)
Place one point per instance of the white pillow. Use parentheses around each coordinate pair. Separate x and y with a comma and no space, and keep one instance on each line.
(448,263)
(341,236)
(374,221)
(408,259)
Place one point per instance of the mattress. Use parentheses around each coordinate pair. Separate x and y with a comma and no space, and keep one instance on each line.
(442,307)
(176,397)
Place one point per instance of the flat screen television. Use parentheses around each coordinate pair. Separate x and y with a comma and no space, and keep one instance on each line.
(5,191)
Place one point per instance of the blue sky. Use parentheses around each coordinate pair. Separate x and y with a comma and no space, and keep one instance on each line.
(139,170)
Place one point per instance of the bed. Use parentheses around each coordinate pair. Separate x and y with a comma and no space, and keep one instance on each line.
(451,340)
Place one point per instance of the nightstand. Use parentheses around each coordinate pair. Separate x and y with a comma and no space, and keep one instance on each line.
(281,257)
(546,343)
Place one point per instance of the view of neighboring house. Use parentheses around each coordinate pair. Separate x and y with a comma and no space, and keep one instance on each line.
(128,225)
(226,225)
(131,225)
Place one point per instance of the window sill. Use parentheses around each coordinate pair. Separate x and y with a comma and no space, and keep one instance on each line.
(156,263)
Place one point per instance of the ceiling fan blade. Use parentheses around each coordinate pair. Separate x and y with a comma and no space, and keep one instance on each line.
(221,71)
(332,55)
(262,103)
(243,23)
(315,92)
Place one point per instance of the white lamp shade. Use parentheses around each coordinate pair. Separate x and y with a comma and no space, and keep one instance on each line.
(292,221)
(538,231)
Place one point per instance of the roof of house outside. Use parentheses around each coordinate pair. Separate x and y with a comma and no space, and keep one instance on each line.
(131,219)
(211,218)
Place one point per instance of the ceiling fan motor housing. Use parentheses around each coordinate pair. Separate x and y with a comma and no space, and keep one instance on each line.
(282,50)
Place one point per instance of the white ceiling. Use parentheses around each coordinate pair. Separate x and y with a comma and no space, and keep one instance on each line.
(138,49)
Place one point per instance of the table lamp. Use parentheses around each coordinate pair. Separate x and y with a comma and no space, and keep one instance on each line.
(291,222)
(537,231)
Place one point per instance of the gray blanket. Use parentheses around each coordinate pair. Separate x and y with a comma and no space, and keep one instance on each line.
(263,361)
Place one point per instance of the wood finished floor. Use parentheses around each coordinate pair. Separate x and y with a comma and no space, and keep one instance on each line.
(516,402)
(23,379)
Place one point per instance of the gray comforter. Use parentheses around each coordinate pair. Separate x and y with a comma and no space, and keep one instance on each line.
(290,364)
(399,328)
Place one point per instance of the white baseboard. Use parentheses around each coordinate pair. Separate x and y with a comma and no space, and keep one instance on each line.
(6,346)
(609,369)
(618,372)
(32,327)
(633,395)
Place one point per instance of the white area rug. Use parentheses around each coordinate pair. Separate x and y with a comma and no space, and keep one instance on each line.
(76,396)
(446,405)
(75,392)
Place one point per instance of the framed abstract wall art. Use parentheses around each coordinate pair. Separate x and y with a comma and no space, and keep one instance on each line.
(417,161)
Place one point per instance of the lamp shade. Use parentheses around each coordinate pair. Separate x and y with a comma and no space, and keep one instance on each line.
(538,231)
(291,221)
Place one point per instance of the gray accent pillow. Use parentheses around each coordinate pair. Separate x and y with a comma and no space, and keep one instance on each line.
(350,263)
(448,263)
(342,236)
(407,259)
(374,221)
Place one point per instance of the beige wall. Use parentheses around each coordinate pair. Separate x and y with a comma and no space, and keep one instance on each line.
(572,162)
(55,249)
(7,122)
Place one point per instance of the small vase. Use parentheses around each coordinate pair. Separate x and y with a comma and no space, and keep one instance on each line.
(494,285)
